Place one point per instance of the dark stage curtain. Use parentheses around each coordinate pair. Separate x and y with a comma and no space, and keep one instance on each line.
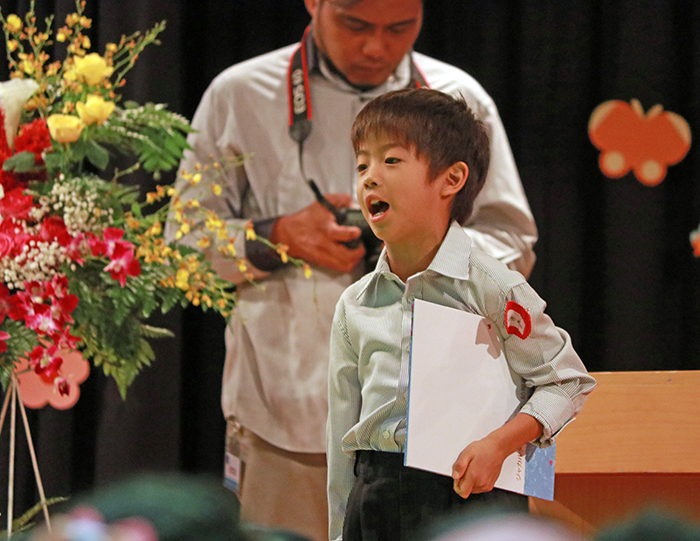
(614,260)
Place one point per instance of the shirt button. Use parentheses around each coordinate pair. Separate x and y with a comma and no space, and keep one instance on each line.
(386,434)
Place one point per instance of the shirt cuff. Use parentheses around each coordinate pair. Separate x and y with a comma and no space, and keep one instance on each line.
(553,409)
(261,256)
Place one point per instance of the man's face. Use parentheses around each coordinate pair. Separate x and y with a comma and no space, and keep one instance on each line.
(366,40)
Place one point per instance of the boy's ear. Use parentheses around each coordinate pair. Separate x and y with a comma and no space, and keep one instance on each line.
(454,178)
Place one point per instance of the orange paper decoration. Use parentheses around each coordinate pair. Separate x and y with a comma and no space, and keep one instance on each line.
(37,393)
(630,140)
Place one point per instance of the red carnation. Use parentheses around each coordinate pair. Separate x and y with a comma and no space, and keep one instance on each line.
(53,228)
(16,204)
(35,138)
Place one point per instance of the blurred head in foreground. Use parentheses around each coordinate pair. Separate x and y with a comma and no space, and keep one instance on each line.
(497,526)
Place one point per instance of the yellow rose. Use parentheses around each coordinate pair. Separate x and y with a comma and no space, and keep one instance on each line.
(14,23)
(92,68)
(65,128)
(94,110)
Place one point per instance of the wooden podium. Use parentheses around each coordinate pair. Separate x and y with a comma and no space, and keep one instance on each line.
(636,444)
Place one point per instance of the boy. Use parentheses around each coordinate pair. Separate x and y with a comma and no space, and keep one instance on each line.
(422,157)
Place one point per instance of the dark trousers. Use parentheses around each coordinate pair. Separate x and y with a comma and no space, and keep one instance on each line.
(390,502)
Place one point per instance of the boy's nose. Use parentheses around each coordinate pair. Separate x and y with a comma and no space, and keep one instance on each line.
(369,180)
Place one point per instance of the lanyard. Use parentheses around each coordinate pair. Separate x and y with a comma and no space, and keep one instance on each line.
(300,96)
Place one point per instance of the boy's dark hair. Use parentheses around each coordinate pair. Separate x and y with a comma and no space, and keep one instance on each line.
(439,128)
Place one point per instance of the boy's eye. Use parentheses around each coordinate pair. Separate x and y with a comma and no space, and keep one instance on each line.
(361,167)
(392,161)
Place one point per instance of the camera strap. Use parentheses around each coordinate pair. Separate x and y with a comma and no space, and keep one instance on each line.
(299,96)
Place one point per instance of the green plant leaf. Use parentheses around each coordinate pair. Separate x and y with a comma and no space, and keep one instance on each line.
(98,155)
(23,162)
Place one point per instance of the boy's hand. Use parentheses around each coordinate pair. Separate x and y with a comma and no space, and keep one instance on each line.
(477,467)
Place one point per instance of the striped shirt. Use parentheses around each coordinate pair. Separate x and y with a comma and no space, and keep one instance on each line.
(370,348)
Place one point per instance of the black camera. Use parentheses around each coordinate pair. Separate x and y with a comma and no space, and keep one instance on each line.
(353,217)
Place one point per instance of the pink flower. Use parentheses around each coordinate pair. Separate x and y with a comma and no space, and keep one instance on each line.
(5,244)
(66,340)
(6,302)
(20,305)
(46,363)
(123,264)
(36,291)
(62,386)
(3,341)
(42,320)
(75,248)
(62,308)
(112,238)
(97,246)
(58,287)
(16,232)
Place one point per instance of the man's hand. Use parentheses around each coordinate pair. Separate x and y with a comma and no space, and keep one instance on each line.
(478,467)
(313,235)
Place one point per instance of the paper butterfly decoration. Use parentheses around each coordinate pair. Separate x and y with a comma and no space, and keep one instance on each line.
(37,393)
(630,140)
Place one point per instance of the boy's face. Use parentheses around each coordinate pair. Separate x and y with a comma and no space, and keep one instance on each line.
(401,205)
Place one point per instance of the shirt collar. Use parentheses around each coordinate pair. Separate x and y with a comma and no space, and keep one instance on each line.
(453,255)
(450,260)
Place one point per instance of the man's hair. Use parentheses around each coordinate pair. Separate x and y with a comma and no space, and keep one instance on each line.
(439,128)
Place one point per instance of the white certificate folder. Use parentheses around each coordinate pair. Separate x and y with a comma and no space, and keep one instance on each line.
(461,389)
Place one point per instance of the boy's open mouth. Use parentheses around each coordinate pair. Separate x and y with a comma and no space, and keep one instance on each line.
(377,207)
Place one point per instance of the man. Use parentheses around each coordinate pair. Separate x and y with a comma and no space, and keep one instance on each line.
(275,379)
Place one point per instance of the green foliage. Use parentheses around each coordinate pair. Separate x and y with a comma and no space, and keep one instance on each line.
(64,234)
(155,135)
(24,523)
(22,341)
(21,162)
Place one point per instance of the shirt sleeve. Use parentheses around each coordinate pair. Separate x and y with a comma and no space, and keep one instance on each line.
(344,399)
(212,162)
(546,359)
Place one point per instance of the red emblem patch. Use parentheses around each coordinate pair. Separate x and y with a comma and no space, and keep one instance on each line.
(518,320)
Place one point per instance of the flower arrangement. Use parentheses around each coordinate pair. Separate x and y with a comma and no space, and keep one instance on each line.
(82,256)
